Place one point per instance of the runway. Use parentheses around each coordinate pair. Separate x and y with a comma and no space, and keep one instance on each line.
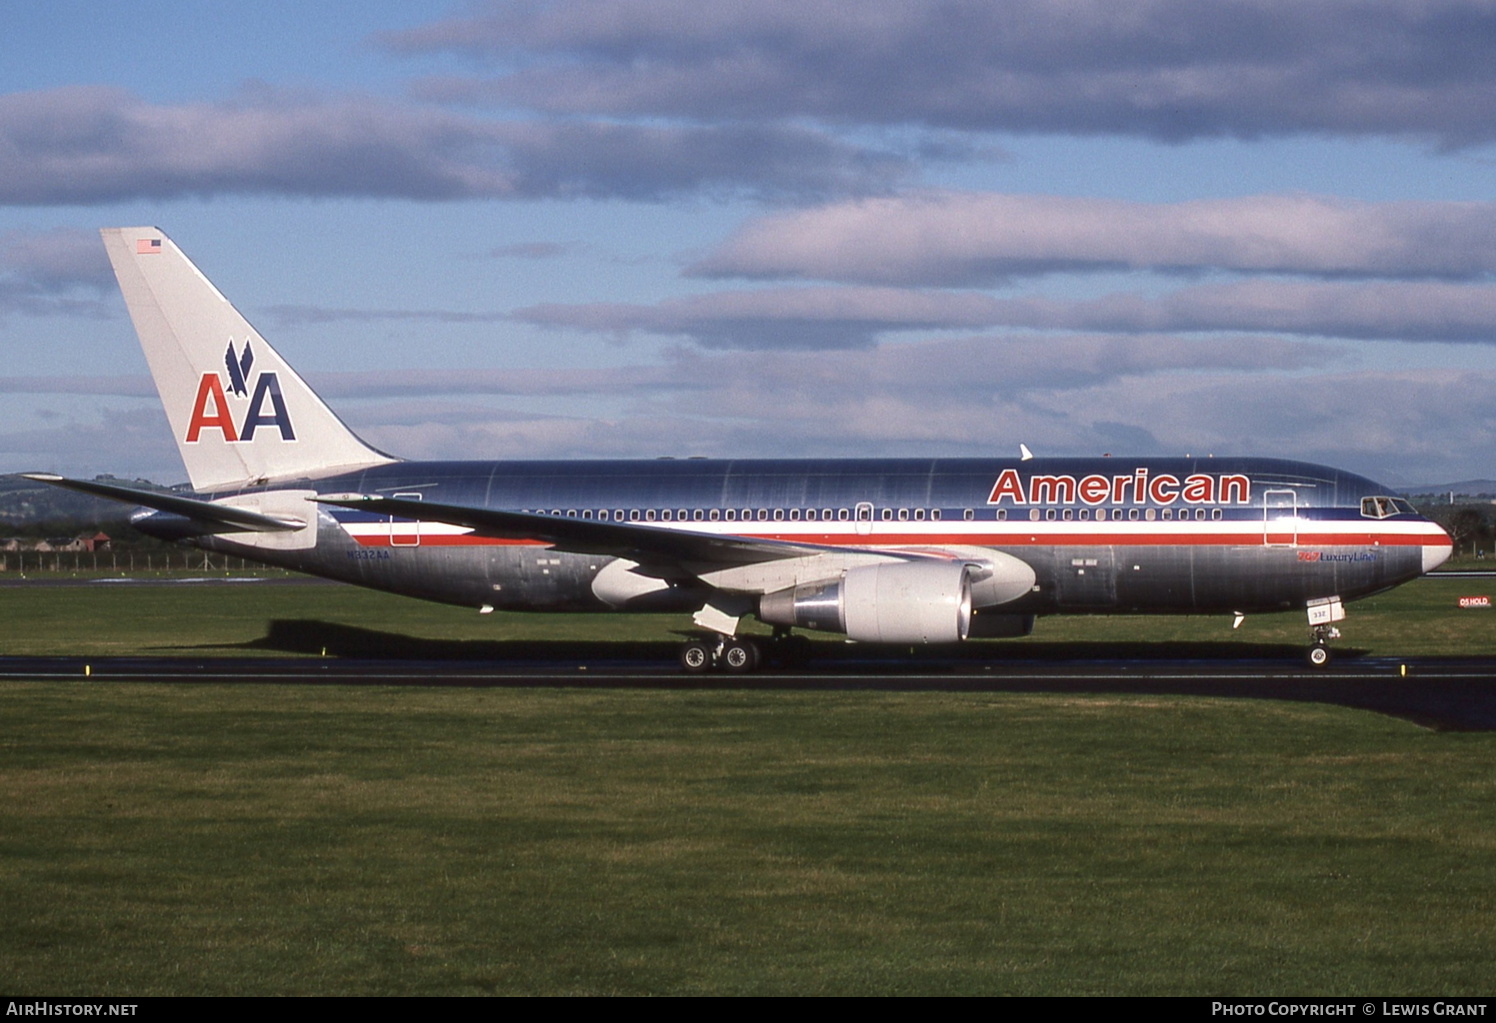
(1451,694)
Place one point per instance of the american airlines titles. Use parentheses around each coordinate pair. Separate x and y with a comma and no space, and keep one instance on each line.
(1134,488)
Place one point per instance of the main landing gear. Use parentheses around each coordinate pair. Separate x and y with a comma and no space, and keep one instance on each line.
(736,655)
(740,655)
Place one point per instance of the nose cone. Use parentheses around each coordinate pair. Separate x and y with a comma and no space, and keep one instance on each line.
(1437,547)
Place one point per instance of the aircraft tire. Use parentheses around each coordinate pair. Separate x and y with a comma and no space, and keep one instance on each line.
(740,656)
(696,656)
(1318,655)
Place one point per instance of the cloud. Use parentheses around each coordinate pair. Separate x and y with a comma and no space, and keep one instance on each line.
(1387,310)
(1161,69)
(303,315)
(855,317)
(60,271)
(981,395)
(958,239)
(779,318)
(134,385)
(90,145)
(125,441)
(532,250)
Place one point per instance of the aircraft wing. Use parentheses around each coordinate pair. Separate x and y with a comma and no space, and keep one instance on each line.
(738,564)
(218,517)
(636,541)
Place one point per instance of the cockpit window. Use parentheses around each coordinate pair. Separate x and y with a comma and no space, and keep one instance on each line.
(1382,507)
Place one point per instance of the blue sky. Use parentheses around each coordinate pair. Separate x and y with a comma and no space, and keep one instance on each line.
(646,227)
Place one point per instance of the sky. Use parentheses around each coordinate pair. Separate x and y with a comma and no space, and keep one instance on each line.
(638,228)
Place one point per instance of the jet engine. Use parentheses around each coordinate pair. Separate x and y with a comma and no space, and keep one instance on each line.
(896,602)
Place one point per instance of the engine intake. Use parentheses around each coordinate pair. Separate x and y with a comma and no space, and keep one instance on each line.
(904,602)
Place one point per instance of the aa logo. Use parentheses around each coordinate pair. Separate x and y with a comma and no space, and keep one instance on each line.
(212,410)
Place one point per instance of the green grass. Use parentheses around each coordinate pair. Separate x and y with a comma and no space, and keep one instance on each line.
(266,839)
(100,619)
(252,840)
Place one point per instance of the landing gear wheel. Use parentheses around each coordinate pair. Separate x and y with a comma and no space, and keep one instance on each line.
(740,656)
(696,656)
(1318,656)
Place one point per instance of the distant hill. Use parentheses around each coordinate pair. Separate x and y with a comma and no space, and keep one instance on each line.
(1465,488)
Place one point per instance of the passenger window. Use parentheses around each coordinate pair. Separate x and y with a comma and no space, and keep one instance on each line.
(1215,513)
(1033,514)
(967,515)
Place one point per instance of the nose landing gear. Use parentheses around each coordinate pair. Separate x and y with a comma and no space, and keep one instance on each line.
(1319,650)
(1322,613)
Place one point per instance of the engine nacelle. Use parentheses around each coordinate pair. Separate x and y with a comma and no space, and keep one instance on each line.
(896,602)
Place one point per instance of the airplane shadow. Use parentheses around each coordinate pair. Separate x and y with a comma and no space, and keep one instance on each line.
(1216,669)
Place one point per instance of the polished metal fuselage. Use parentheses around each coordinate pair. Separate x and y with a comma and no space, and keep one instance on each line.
(1101,535)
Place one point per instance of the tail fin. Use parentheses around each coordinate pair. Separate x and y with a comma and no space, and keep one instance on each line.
(240,414)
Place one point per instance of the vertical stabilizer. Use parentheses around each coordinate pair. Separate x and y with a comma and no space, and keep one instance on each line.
(239,413)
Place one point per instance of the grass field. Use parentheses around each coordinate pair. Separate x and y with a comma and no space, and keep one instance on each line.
(264,618)
(215,839)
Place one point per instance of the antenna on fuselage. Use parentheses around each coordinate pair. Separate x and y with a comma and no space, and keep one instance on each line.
(1024,454)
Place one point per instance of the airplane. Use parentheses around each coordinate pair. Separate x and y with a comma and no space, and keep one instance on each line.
(896,551)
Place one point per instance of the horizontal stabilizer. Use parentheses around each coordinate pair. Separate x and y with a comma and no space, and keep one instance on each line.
(222,516)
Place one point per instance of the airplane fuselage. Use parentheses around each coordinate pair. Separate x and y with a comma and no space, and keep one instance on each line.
(1199,535)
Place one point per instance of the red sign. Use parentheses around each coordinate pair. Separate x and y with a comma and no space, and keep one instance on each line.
(1475,602)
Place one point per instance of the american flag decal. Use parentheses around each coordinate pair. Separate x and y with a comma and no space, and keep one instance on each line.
(147,246)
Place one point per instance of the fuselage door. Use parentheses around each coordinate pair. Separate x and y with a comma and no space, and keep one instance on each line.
(864,518)
(1280,518)
(404,533)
